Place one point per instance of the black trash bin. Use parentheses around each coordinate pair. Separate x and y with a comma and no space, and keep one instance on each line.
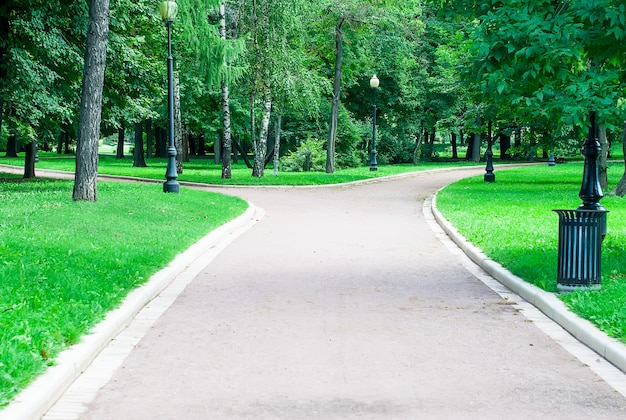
(580,248)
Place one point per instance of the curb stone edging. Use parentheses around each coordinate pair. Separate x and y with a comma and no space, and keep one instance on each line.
(611,349)
(37,398)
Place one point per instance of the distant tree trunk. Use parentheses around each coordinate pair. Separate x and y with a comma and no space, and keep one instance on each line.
(620,189)
(12,146)
(66,145)
(149,138)
(517,142)
(91,102)
(178,126)
(192,144)
(416,150)
(60,142)
(432,135)
(253,139)
(186,145)
(217,150)
(476,148)
(161,142)
(505,145)
(121,135)
(279,121)
(261,147)
(455,154)
(602,159)
(470,147)
(29,160)
(201,150)
(334,107)
(138,158)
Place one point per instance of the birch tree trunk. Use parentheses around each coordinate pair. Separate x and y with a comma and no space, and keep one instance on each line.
(261,149)
(178,127)
(602,164)
(279,122)
(227,146)
(334,109)
(91,102)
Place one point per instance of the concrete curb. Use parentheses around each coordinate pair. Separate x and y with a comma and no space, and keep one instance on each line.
(35,400)
(611,349)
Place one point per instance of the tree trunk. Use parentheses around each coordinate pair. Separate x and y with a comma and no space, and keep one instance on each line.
(261,147)
(416,151)
(253,140)
(67,143)
(60,142)
(149,138)
(161,142)
(620,189)
(476,148)
(334,108)
(217,150)
(227,142)
(121,136)
(178,126)
(138,158)
(470,147)
(602,159)
(91,102)
(455,153)
(12,146)
(279,121)
(186,146)
(29,160)
(505,145)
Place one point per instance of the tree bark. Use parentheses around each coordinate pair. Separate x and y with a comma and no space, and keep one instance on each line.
(91,102)
(12,146)
(279,122)
(505,145)
(29,160)
(476,144)
(261,147)
(121,136)
(178,126)
(602,159)
(149,138)
(334,107)
(139,160)
(620,189)
(416,151)
(227,141)
(455,153)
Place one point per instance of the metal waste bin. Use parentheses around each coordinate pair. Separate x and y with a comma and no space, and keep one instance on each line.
(580,248)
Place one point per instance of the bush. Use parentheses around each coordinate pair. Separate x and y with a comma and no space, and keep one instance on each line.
(309,156)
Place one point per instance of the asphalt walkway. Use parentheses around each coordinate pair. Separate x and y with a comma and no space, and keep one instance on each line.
(343,302)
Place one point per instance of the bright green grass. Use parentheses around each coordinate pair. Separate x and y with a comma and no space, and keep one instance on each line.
(66,264)
(206,172)
(512,221)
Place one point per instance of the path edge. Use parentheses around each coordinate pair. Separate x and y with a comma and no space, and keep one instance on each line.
(37,398)
(611,349)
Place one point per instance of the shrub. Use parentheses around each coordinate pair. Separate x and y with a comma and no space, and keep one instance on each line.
(309,156)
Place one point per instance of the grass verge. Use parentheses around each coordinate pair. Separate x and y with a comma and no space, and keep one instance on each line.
(512,221)
(66,264)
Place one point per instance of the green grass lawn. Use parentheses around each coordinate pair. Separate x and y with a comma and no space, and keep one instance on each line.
(66,264)
(512,221)
(204,170)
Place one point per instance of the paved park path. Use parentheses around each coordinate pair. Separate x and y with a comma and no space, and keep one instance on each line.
(341,303)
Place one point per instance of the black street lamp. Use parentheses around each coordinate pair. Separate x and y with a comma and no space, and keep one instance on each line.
(374,82)
(590,190)
(489,175)
(168,13)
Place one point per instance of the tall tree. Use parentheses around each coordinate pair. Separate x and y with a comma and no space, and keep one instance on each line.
(85,187)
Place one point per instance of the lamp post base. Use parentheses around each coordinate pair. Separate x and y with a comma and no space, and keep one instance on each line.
(171,187)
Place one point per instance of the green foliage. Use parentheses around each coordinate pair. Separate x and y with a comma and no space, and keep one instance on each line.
(53,289)
(309,156)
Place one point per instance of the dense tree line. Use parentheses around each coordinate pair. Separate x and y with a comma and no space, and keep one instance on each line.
(266,76)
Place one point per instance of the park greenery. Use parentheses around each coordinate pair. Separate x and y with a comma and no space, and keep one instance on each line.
(284,84)
(58,280)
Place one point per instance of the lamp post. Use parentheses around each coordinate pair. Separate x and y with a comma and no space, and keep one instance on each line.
(374,82)
(489,175)
(168,13)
